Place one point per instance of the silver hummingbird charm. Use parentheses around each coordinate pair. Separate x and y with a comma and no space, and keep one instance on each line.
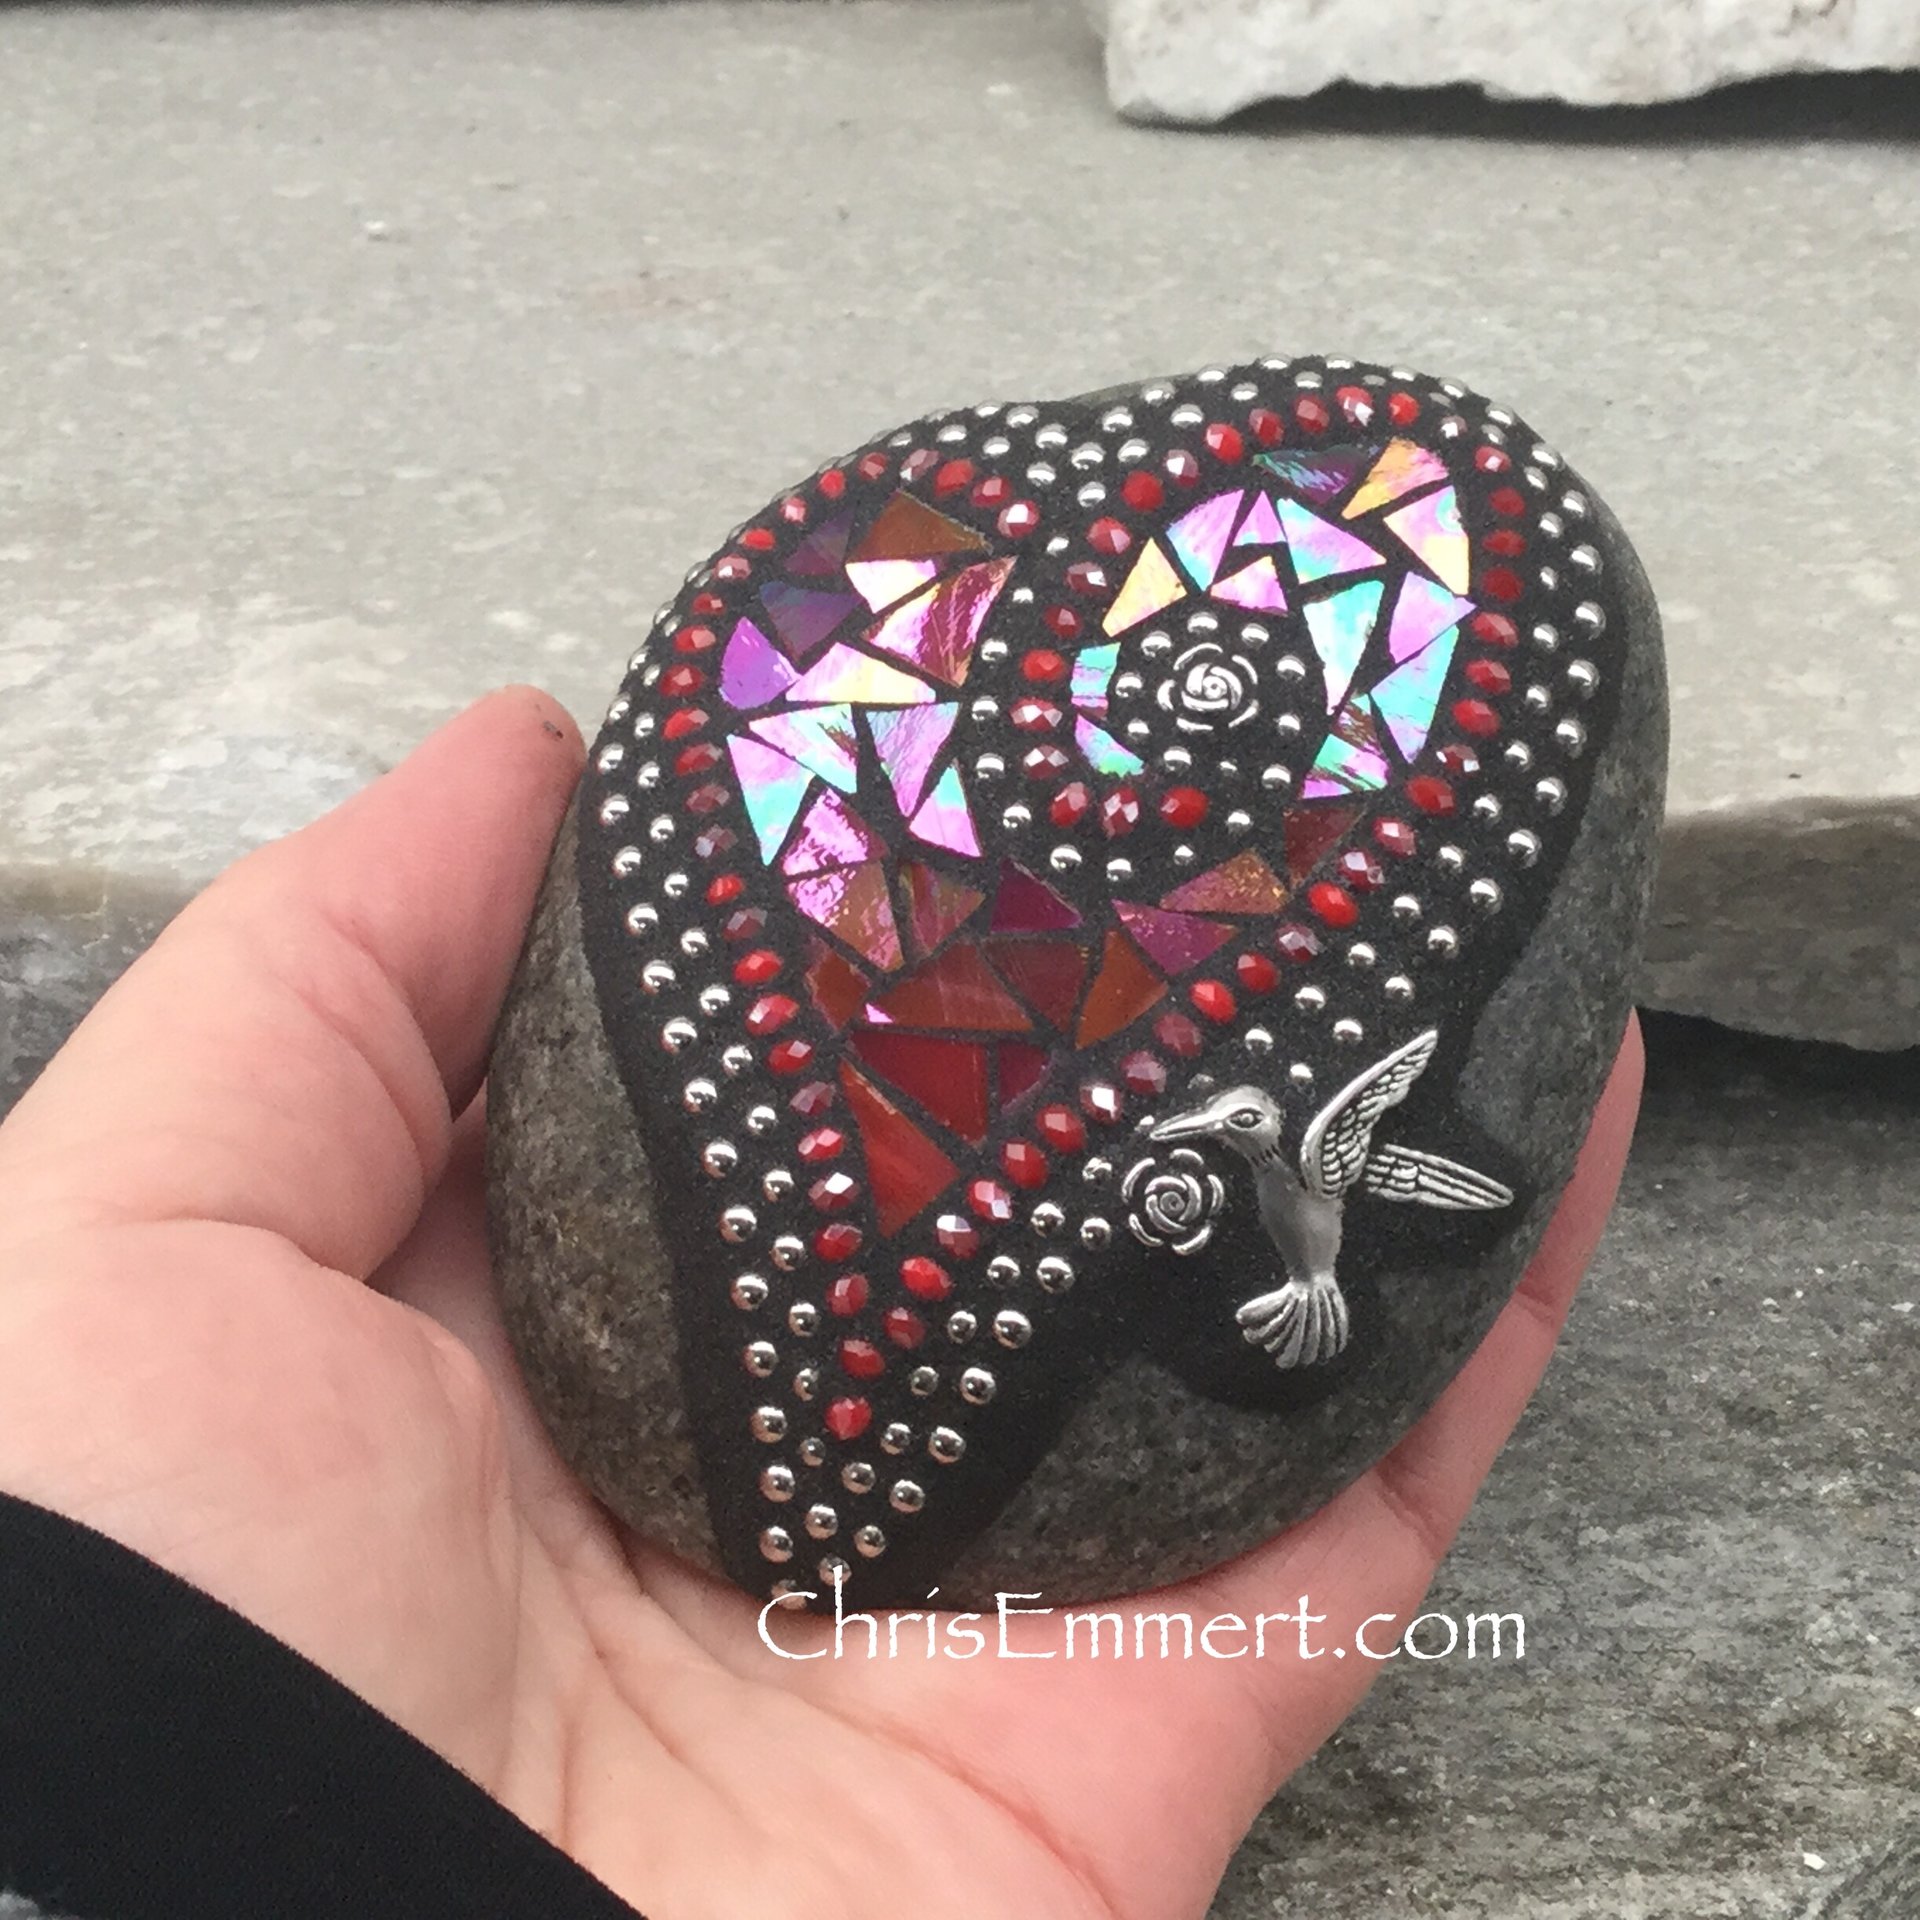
(1306,1320)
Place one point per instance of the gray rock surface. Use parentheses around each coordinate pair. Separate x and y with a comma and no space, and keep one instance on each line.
(442,345)
(1707,1520)
(1201,60)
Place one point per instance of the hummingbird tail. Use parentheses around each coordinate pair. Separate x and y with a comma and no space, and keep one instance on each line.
(1301,1324)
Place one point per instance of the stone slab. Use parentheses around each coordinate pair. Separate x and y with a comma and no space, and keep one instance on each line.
(1201,60)
(313,434)
(1706,1519)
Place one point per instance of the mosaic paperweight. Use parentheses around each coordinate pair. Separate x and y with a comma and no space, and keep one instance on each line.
(1089,941)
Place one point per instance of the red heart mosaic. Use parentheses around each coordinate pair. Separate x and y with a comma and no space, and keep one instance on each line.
(1046,851)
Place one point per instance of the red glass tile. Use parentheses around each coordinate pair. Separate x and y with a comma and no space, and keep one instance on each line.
(1047,974)
(954,990)
(838,987)
(1122,991)
(1310,832)
(1023,903)
(1244,884)
(905,1170)
(1175,942)
(936,906)
(1021,1069)
(947,1077)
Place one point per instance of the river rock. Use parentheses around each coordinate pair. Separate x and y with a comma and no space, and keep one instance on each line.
(1089,940)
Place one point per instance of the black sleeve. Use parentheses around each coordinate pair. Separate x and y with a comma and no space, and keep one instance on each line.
(163,1759)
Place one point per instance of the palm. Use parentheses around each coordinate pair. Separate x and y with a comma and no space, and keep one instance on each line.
(257,1125)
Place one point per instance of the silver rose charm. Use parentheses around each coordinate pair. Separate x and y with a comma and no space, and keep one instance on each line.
(1173,1204)
(1209,689)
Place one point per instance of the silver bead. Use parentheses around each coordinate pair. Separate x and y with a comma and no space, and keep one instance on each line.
(678,1034)
(923,1381)
(1003,1269)
(822,1522)
(1396,986)
(719,1158)
(656,976)
(1552,794)
(806,1383)
(762,1120)
(776,1544)
(1012,1329)
(698,1096)
(1047,1219)
(760,1357)
(961,1326)
(1348,1032)
(715,999)
(1443,941)
(1095,1232)
(788,1252)
(869,1542)
(1572,737)
(748,1292)
(803,1319)
(642,920)
(776,1482)
(736,1060)
(895,1437)
(694,941)
(1485,894)
(906,1496)
(737,1224)
(858,1476)
(776,1183)
(1054,1274)
(769,1424)
(945,1445)
(1524,846)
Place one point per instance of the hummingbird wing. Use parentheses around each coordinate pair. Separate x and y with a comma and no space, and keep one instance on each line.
(1431,1180)
(1333,1153)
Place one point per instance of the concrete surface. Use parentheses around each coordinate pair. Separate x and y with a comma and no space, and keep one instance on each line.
(1707,1519)
(359,358)
(1201,60)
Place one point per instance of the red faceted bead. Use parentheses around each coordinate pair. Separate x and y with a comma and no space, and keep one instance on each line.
(1060,1127)
(1495,629)
(1019,519)
(708,799)
(734,566)
(724,887)
(1396,836)
(1044,763)
(1024,1164)
(695,640)
(758,967)
(1402,409)
(1101,1103)
(841,1241)
(1430,794)
(1224,442)
(1213,998)
(990,1200)
(1493,460)
(904,1327)
(687,720)
(1043,664)
(952,477)
(1357,404)
(1145,1073)
(679,681)
(994,491)
(1296,943)
(1257,973)
(823,1143)
(1035,716)
(957,1235)
(1508,542)
(1508,500)
(794,510)
(1490,676)
(919,463)
(747,923)
(1108,536)
(705,603)
(1502,583)
(1142,491)
(1266,424)
(873,465)
(1178,1035)
(847,1295)
(1070,805)
(1312,414)
(770,1013)
(1460,759)
(715,841)
(862,1359)
(1087,576)
(813,1099)
(1183,807)
(790,1056)
(760,539)
(1476,717)
(1360,870)
(1183,468)
(1335,905)
(834,1192)
(849,1416)
(833,483)
(1063,620)
(1120,812)
(697,759)
(925,1279)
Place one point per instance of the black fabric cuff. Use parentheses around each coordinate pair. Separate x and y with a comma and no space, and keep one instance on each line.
(161,1758)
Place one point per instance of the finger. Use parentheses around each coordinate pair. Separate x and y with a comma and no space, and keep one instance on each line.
(290,1052)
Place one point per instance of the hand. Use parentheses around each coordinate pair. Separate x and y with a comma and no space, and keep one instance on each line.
(247,1328)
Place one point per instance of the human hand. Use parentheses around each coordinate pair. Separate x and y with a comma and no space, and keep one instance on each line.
(247,1328)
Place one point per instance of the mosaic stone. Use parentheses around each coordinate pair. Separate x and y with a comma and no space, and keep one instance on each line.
(1072,908)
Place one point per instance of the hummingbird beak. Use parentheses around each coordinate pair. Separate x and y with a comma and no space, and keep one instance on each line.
(1183,1126)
